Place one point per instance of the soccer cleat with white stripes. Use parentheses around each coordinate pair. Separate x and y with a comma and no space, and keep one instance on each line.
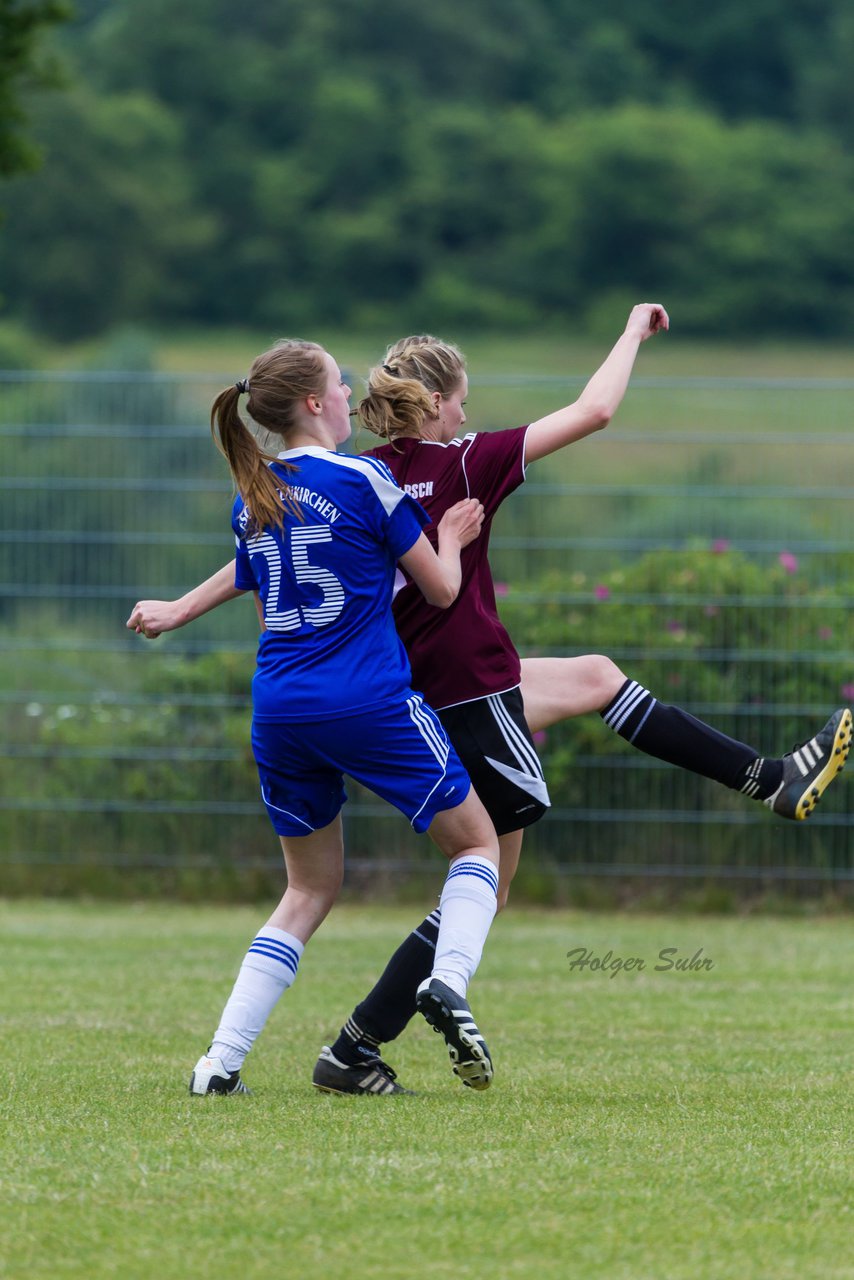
(371,1076)
(450,1014)
(809,769)
(210,1076)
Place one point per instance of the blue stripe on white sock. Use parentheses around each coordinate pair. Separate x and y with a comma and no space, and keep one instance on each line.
(276,945)
(276,950)
(481,870)
(474,864)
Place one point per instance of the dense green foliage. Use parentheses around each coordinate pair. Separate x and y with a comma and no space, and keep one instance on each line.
(157,743)
(491,162)
(21,67)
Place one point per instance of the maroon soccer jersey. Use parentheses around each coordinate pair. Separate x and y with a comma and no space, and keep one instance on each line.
(463,652)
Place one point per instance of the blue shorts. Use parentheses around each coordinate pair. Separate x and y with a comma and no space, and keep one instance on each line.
(398,750)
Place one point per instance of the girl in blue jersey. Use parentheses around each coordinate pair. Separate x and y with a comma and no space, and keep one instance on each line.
(488,699)
(319,537)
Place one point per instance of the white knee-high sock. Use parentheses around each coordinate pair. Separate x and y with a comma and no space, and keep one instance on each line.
(468,905)
(268,969)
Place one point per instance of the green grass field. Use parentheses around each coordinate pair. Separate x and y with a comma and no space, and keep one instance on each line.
(646,1126)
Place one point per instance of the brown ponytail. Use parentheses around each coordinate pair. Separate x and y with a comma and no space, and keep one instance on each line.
(279,380)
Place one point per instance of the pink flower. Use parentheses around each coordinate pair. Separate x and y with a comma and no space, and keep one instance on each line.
(825,633)
(720,545)
(847,692)
(501,588)
(711,610)
(675,628)
(674,679)
(788,561)
(601,592)
(540,737)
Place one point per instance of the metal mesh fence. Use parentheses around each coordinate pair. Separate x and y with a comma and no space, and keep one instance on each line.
(704,542)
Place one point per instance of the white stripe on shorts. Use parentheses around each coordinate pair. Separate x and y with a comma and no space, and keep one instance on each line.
(434,735)
(518,745)
(430,730)
(286,812)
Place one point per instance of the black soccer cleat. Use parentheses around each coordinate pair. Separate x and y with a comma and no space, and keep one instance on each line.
(809,768)
(450,1014)
(371,1076)
(210,1076)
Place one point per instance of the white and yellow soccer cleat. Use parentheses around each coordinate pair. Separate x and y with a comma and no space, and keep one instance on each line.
(809,768)
(450,1014)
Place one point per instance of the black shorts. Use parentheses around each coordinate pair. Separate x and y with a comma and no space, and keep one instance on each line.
(492,738)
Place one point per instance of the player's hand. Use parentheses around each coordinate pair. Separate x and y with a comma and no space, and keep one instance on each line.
(462,521)
(646,319)
(150,618)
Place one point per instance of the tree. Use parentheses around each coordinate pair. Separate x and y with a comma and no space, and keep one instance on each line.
(22,67)
(472,162)
(108,227)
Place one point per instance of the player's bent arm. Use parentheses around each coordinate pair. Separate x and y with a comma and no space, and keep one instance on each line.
(436,580)
(601,398)
(438,575)
(151,618)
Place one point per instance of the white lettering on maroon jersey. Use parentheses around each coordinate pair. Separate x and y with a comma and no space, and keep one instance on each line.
(422,490)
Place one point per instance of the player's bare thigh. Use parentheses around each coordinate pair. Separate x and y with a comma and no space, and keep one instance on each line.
(555,689)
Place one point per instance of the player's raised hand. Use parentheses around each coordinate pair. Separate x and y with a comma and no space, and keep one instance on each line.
(646,319)
(462,521)
(150,618)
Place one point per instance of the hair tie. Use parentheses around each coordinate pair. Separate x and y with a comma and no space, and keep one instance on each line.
(243,386)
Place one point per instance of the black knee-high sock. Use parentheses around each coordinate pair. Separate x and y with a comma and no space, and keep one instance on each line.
(384,1013)
(671,734)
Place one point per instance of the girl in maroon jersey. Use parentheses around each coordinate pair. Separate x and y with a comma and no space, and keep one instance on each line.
(464,662)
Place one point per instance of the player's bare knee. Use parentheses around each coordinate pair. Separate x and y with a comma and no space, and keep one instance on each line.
(606,677)
(317,899)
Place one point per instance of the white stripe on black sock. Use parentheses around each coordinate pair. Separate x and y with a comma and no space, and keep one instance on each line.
(751,780)
(616,716)
(433,919)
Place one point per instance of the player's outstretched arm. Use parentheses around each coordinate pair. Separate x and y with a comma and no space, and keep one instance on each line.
(600,399)
(150,618)
(438,576)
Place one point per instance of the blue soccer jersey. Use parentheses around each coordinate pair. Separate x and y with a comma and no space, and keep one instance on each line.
(330,646)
